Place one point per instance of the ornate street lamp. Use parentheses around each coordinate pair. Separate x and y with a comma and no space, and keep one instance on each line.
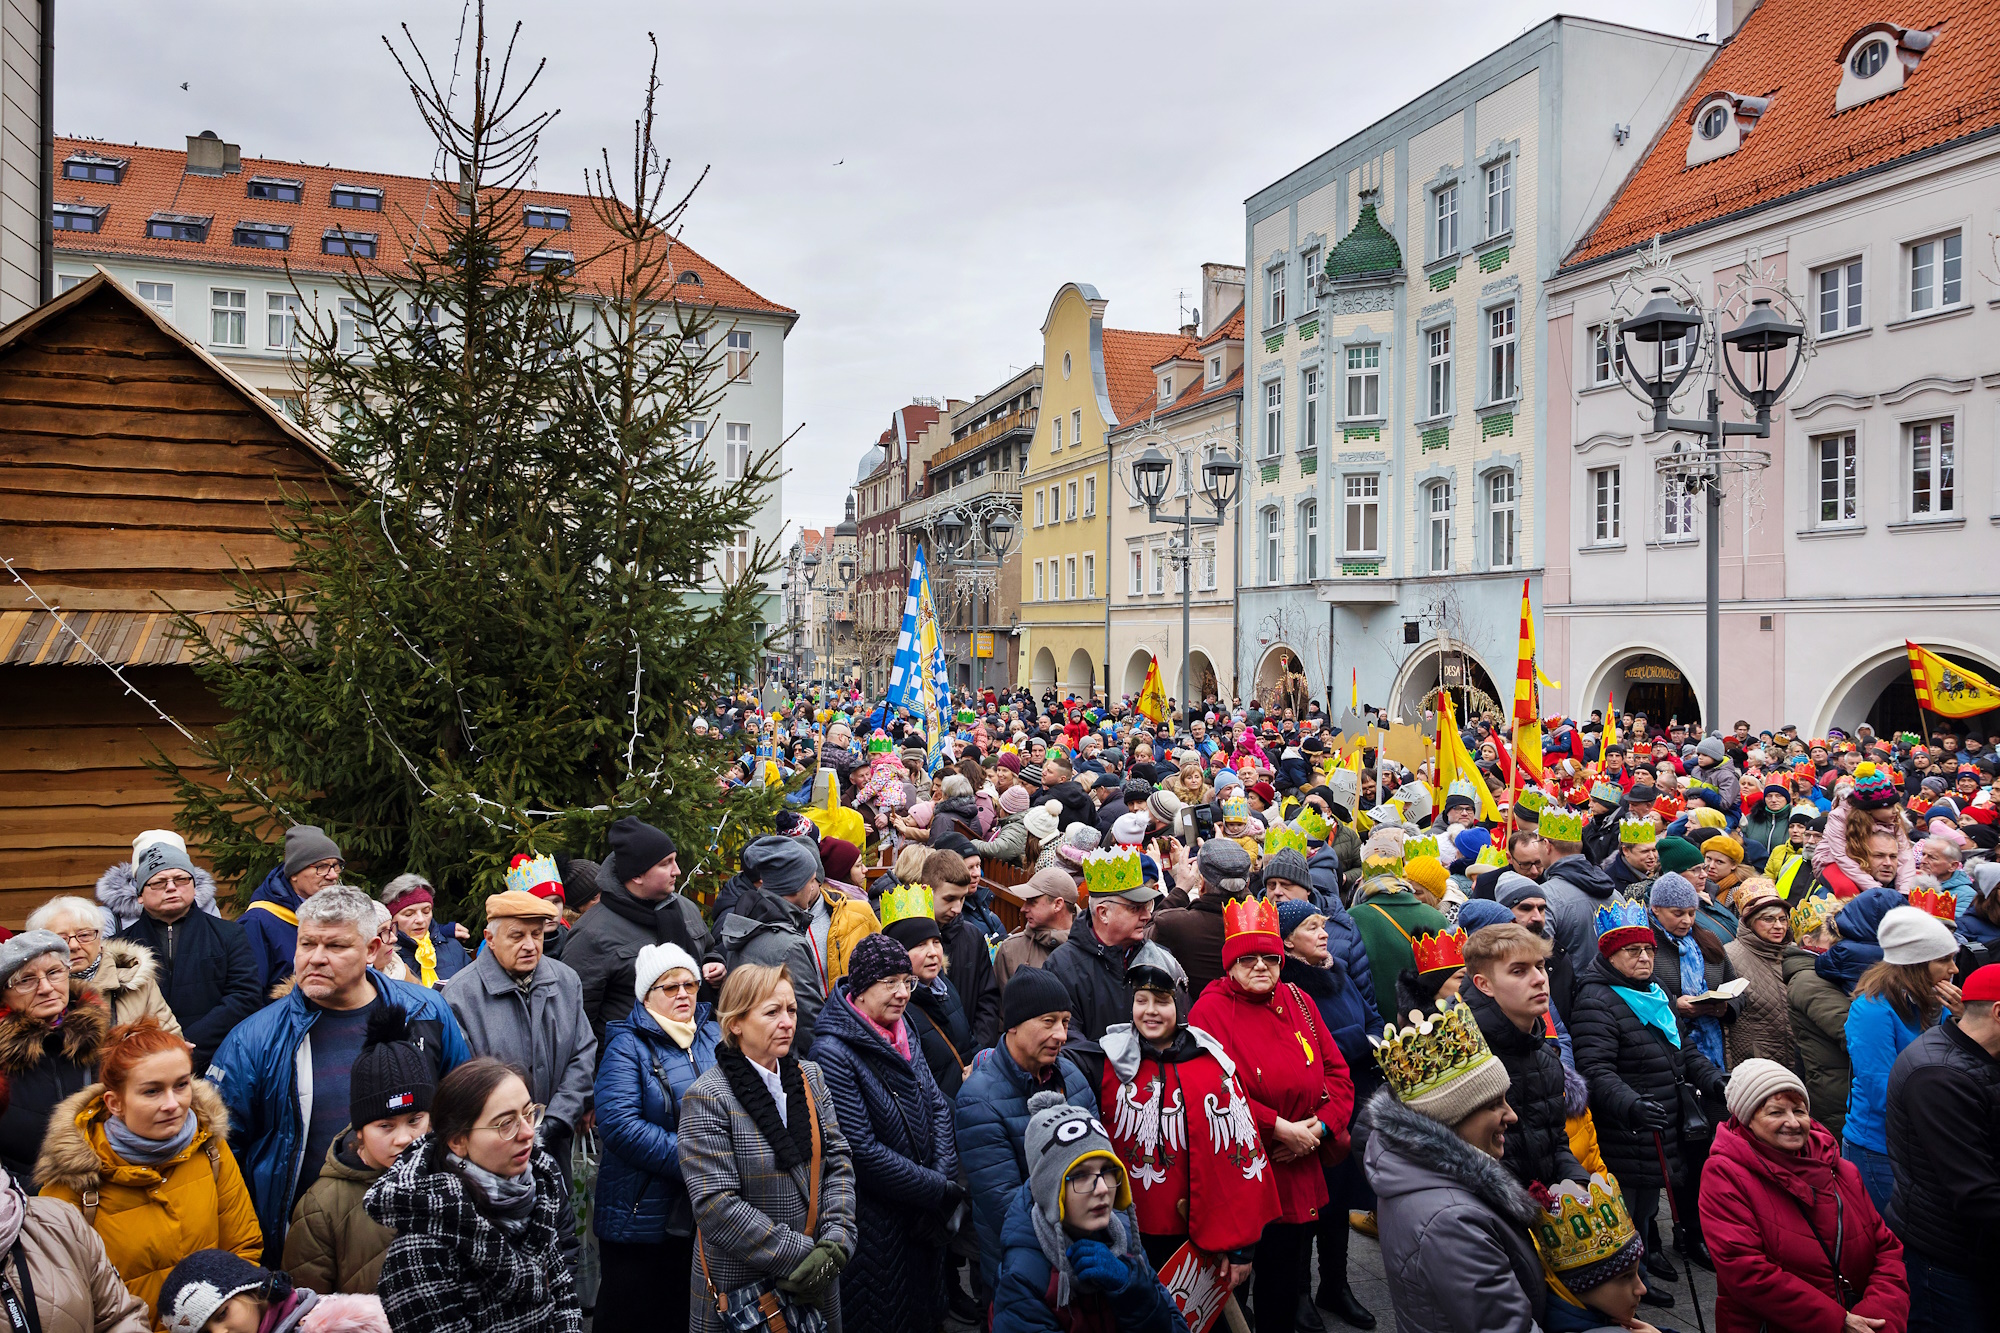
(1152,475)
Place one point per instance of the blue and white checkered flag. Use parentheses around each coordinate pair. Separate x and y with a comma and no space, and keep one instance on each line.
(917,681)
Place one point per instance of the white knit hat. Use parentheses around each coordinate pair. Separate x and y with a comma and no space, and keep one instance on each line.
(657,959)
(1911,935)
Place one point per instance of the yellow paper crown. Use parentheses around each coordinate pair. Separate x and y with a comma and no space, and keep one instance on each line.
(1432,1051)
(1637,832)
(1312,823)
(1236,806)
(1812,913)
(1280,836)
(1490,855)
(1424,845)
(1559,825)
(906,901)
(1530,800)
(1588,1225)
(1112,870)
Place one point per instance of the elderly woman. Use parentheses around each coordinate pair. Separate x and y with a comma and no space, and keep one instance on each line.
(1764,1026)
(1301,1096)
(120,973)
(427,946)
(768,1170)
(51,1035)
(1798,1244)
(643,1220)
(898,1124)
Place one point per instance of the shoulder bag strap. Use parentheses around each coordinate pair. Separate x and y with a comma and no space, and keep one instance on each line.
(19,1294)
(1840,1283)
(90,1198)
(938,1028)
(1394,922)
(812,1175)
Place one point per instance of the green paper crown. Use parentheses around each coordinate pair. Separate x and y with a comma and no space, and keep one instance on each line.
(1312,823)
(1637,832)
(1530,800)
(1559,825)
(1425,845)
(1587,1225)
(906,901)
(1112,871)
(1280,836)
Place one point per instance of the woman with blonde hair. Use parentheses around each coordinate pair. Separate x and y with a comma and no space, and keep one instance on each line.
(768,1172)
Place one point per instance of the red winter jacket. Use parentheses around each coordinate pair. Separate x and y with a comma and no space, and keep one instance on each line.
(1289,1068)
(1771,1272)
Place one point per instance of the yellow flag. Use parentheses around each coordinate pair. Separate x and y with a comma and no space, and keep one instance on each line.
(1152,701)
(1947,689)
(1455,761)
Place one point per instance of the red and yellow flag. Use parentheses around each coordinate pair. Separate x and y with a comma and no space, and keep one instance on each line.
(1609,736)
(1152,701)
(1947,689)
(1527,717)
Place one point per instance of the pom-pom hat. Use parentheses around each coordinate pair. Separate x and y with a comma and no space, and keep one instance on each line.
(1872,789)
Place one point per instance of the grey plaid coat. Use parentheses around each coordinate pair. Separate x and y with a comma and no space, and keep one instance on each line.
(748,1212)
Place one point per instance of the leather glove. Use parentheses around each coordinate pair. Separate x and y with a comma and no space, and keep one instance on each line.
(954,1195)
(1654,1116)
(1093,1263)
(815,1273)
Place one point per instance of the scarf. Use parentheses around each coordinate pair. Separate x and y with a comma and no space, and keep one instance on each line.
(427,960)
(510,1199)
(90,972)
(681,1034)
(897,1037)
(141,1151)
(790,1138)
(1707,1032)
(1055,1248)
(1653,1008)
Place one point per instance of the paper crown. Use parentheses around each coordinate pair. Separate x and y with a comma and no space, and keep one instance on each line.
(1278,837)
(1813,912)
(1938,903)
(880,743)
(1462,787)
(1559,825)
(1248,916)
(1312,823)
(528,874)
(1236,806)
(1619,914)
(1442,952)
(1112,870)
(1423,845)
(1490,855)
(1637,832)
(1530,800)
(1586,1235)
(906,901)
(1432,1052)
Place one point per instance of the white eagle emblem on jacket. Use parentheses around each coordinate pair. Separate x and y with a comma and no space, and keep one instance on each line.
(1232,1131)
(1156,1127)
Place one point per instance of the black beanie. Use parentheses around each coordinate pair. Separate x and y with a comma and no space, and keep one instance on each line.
(390,1077)
(1030,993)
(911,931)
(637,847)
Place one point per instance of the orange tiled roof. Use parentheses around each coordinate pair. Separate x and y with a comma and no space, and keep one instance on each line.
(1790,51)
(1231,328)
(1191,397)
(1129,358)
(156,182)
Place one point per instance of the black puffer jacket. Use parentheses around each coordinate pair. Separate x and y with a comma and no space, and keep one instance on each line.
(1627,1062)
(1944,1100)
(970,965)
(1538,1147)
(1100,997)
(943,1032)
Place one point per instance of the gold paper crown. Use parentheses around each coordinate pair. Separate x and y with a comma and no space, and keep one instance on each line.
(1236,806)
(1432,1051)
(1587,1225)
(529,872)
(1637,832)
(1112,870)
(1812,913)
(1421,846)
(1559,825)
(906,901)
(1280,836)
(1312,823)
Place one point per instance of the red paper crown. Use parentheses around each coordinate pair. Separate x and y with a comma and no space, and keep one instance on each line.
(1248,916)
(1440,952)
(1939,904)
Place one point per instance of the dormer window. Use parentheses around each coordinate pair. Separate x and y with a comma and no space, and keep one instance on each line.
(262,236)
(1721,122)
(1877,61)
(78,217)
(364,198)
(97,167)
(177,227)
(1166,388)
(279,189)
(546,217)
(1215,370)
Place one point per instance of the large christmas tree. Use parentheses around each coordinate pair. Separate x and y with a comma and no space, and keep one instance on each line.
(496,642)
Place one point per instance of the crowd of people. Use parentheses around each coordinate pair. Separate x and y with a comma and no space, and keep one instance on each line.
(1093,1022)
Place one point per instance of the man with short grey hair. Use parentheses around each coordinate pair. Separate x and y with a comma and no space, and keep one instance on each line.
(283,1072)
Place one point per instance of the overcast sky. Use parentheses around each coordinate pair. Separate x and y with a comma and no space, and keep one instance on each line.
(916,180)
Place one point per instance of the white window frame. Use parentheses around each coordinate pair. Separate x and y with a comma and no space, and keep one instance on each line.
(1309,541)
(735,450)
(1607,355)
(352,327)
(1444,221)
(1437,372)
(1069,506)
(738,348)
(1215,370)
(1845,283)
(159,295)
(1679,511)
(1274,417)
(1137,581)
(1499,180)
(1503,346)
(1076,428)
(1056,438)
(1361,511)
(1503,519)
(1206,580)
(1308,409)
(1089,574)
(1090,497)
(1158,559)
(1607,502)
(1363,363)
(1934,273)
(228,317)
(1935,440)
(1272,531)
(1069,567)
(1274,295)
(281,321)
(1309,262)
(736,556)
(1839,487)
(1041,585)
(1041,509)
(1438,521)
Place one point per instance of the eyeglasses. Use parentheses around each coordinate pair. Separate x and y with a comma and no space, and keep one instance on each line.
(676,987)
(1643,950)
(507,1126)
(1265,961)
(170,882)
(333,865)
(903,985)
(29,983)
(1088,1182)
(77,937)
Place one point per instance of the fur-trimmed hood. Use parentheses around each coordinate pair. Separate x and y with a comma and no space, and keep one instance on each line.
(74,1148)
(1428,1155)
(118,893)
(124,966)
(84,1026)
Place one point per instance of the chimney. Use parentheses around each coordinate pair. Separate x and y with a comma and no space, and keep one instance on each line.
(1189,329)
(207,155)
(1729,16)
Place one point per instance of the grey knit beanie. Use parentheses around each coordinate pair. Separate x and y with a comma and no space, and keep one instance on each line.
(157,856)
(305,845)
(1673,890)
(1224,858)
(25,948)
(1288,865)
(1058,1137)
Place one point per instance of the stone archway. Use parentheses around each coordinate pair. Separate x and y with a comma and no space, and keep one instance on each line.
(1877,690)
(1135,672)
(1642,678)
(1457,670)
(1044,672)
(1081,678)
(1281,680)
(1203,679)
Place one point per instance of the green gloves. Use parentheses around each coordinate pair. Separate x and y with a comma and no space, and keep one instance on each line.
(815,1273)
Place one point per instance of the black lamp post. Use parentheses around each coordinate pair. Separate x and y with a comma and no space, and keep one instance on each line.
(996,534)
(1662,323)
(1152,473)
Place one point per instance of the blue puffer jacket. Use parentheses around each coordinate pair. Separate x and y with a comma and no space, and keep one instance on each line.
(1024,1300)
(992,1120)
(641,1078)
(1876,1035)
(257,1072)
(1343,937)
(274,939)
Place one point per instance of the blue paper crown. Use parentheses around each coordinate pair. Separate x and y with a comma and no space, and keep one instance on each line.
(1620,913)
